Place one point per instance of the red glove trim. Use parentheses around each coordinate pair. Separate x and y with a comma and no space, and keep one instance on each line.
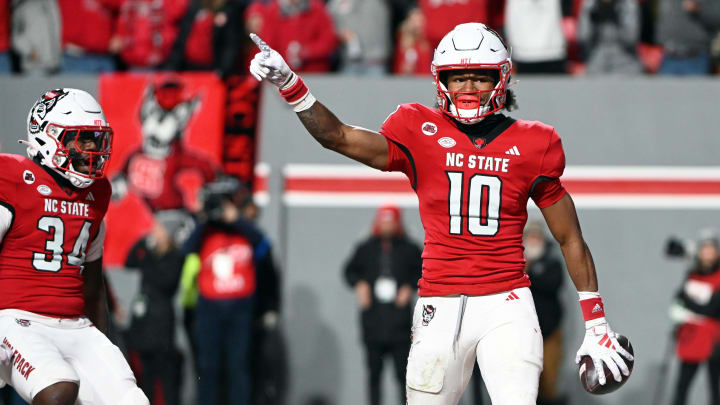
(592,308)
(295,92)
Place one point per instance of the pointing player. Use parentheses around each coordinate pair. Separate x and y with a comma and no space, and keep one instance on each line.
(52,305)
(473,170)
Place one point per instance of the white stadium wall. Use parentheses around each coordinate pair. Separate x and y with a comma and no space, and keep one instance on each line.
(650,145)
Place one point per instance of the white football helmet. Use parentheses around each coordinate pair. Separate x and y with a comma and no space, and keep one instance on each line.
(471,46)
(59,124)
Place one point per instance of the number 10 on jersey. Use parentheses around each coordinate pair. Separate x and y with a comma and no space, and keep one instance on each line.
(483,203)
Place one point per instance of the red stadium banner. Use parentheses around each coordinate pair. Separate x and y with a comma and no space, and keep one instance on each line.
(167,143)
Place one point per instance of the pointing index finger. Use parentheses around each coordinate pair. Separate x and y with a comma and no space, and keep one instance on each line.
(260,43)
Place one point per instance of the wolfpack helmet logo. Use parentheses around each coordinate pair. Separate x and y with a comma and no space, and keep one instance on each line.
(44,190)
(428,314)
(41,109)
(429,128)
(28,177)
(446,142)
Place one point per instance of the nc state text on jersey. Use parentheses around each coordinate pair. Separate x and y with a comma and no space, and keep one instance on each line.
(67,207)
(492,164)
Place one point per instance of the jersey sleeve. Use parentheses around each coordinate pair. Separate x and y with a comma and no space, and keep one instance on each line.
(394,129)
(546,188)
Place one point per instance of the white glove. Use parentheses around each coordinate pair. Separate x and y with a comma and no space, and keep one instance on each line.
(601,345)
(268,64)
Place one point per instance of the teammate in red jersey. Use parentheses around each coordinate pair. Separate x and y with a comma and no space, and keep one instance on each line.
(473,170)
(52,305)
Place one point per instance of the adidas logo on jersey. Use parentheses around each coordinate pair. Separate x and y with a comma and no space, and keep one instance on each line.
(512,297)
(90,197)
(597,308)
(513,151)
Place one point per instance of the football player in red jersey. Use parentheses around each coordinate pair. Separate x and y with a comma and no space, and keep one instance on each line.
(52,306)
(473,170)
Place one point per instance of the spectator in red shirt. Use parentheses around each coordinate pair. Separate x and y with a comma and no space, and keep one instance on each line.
(209,35)
(443,15)
(412,50)
(5,65)
(146,31)
(87,30)
(307,38)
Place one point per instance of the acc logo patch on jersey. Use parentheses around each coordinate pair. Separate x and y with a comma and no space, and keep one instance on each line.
(44,190)
(429,128)
(28,177)
(446,142)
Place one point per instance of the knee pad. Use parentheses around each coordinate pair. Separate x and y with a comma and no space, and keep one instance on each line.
(426,368)
(134,397)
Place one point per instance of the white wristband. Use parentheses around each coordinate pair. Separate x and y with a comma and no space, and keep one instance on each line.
(304,103)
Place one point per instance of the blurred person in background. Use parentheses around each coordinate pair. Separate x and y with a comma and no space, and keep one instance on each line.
(608,32)
(696,310)
(444,15)
(546,278)
(384,270)
(230,260)
(685,29)
(88,27)
(535,33)
(5,60)
(301,30)
(413,53)
(146,31)
(208,37)
(151,335)
(36,36)
(364,30)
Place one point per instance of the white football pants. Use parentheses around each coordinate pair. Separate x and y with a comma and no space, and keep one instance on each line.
(50,350)
(449,333)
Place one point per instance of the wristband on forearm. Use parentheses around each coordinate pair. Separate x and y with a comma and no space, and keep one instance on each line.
(592,307)
(297,94)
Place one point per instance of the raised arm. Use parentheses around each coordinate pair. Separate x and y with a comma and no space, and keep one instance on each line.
(365,146)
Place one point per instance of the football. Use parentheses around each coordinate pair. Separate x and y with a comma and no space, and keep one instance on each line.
(589,378)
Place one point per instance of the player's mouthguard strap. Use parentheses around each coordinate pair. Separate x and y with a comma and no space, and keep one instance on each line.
(297,94)
(591,305)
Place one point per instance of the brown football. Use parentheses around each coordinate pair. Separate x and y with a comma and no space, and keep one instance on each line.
(589,378)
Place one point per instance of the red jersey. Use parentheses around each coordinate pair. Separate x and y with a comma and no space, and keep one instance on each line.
(227,269)
(43,251)
(311,29)
(473,195)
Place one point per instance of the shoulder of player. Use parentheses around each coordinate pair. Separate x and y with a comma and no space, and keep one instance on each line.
(11,164)
(537,131)
(408,115)
(418,109)
(534,126)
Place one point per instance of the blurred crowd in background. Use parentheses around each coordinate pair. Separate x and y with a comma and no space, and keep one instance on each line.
(677,37)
